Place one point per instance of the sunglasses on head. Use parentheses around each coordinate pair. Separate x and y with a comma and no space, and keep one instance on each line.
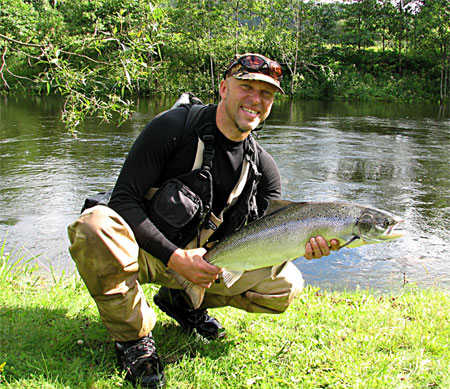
(255,63)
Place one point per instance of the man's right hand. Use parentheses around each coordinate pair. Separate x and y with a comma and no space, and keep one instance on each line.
(191,265)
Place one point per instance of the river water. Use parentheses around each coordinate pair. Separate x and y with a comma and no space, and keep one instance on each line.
(395,157)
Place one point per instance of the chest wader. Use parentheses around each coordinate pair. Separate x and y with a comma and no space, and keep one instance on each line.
(182,207)
(107,257)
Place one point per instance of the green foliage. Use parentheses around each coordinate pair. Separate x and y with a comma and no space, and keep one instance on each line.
(52,337)
(94,53)
(101,53)
(15,264)
(361,17)
(17,18)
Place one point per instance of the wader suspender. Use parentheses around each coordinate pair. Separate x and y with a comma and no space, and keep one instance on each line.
(204,159)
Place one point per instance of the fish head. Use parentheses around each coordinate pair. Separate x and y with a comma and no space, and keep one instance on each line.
(374,226)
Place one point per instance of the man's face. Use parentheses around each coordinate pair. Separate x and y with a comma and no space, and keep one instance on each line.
(247,103)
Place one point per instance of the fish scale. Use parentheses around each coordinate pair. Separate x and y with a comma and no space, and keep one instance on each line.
(283,234)
(259,243)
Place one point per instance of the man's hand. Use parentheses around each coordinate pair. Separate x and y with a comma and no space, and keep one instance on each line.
(191,265)
(317,247)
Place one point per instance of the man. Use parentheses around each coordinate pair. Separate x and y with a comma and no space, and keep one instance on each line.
(119,247)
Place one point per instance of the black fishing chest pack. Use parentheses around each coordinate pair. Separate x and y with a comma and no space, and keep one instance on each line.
(182,207)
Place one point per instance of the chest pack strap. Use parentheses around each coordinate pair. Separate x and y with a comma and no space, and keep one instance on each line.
(205,155)
(205,146)
(204,160)
(213,222)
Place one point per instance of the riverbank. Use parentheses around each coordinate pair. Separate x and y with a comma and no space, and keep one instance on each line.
(51,336)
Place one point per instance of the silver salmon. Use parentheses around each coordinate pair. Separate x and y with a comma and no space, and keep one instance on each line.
(282,235)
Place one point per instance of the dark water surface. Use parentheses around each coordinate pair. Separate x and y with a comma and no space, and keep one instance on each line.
(395,157)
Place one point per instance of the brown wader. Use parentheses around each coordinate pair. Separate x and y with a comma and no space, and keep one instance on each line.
(113,266)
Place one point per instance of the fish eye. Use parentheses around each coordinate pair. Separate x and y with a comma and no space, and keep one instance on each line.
(366,219)
(386,223)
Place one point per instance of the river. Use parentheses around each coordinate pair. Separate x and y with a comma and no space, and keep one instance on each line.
(392,156)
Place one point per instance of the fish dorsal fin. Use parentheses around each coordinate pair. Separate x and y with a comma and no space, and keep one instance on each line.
(277,205)
(231,276)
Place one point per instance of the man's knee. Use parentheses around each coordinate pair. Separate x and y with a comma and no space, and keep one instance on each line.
(294,279)
(104,249)
(100,232)
(276,296)
(99,222)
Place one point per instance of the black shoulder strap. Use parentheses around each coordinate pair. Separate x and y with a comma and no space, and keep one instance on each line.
(251,150)
(205,132)
(193,115)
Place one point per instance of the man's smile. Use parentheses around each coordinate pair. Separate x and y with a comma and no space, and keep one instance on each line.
(250,111)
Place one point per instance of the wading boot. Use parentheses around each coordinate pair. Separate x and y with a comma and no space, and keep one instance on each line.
(173,303)
(141,362)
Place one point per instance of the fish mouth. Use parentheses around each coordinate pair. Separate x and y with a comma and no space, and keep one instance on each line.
(393,231)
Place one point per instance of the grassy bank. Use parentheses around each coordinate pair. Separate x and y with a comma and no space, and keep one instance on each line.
(51,337)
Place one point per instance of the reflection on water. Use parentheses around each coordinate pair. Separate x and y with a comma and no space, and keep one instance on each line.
(394,157)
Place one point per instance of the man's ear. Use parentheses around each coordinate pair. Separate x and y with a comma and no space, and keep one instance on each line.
(223,88)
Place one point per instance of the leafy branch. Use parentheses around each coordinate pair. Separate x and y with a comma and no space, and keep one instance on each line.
(98,71)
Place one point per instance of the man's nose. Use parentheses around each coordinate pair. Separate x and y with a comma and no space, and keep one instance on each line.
(255,96)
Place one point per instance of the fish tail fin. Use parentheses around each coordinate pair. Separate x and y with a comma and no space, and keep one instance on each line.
(230,277)
(196,293)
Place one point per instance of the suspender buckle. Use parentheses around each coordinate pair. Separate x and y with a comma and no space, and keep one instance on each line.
(208,151)
(208,138)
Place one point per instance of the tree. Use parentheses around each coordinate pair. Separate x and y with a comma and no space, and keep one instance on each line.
(401,22)
(434,33)
(112,48)
(361,19)
(99,54)
(298,32)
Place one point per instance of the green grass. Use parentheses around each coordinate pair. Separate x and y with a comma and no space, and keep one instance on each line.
(51,337)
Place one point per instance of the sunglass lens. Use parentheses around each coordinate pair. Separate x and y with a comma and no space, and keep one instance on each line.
(261,65)
(253,62)
(275,70)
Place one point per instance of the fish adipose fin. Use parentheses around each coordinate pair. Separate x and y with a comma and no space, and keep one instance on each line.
(195,292)
(230,277)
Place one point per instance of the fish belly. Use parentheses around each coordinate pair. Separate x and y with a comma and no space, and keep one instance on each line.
(268,247)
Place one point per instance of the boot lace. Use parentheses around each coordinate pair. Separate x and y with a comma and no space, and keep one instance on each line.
(198,316)
(144,348)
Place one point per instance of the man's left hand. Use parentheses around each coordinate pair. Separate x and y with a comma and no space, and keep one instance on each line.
(317,247)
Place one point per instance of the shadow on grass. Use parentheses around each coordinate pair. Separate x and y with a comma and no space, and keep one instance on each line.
(174,344)
(41,345)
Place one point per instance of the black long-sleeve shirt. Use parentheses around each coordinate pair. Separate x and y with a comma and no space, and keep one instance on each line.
(162,151)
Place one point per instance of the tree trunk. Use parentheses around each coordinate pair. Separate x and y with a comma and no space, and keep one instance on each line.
(211,64)
(297,37)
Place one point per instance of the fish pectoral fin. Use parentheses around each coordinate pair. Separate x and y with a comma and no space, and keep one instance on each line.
(195,292)
(277,270)
(231,276)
